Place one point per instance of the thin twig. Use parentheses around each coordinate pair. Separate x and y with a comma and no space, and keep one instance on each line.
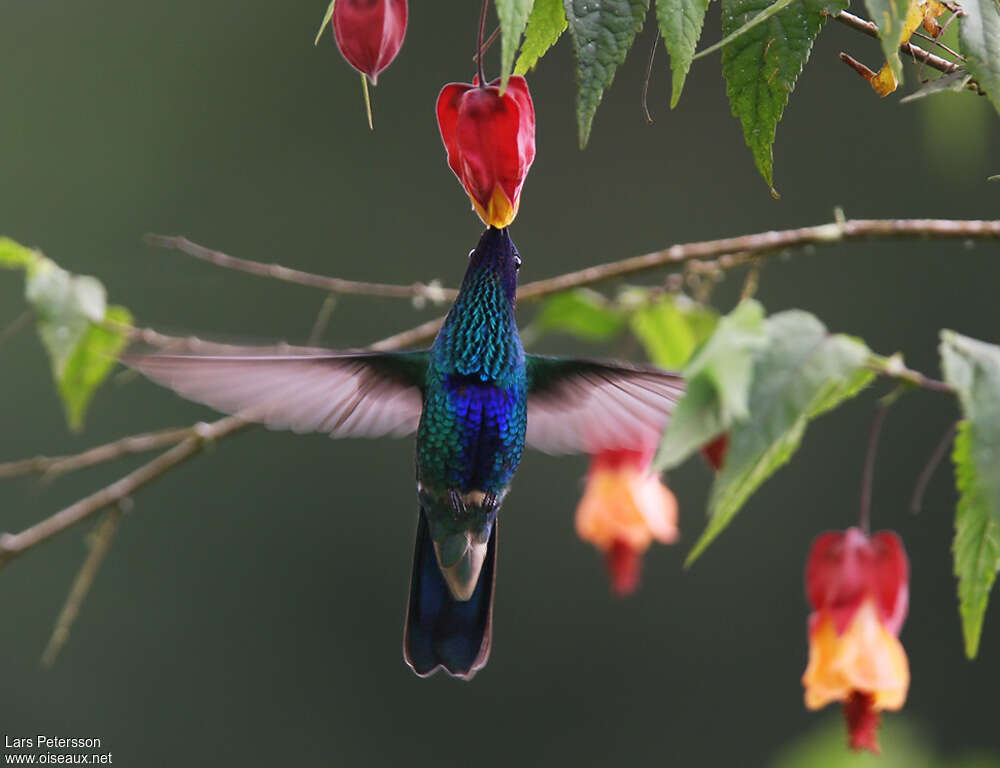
(488,44)
(16,325)
(432,293)
(645,82)
(126,446)
(930,468)
(869,28)
(322,319)
(864,512)
(100,543)
(479,44)
(13,545)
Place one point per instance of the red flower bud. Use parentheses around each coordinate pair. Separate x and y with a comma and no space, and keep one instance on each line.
(490,140)
(858,588)
(369,33)
(715,452)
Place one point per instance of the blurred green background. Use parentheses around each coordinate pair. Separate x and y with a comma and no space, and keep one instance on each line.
(250,611)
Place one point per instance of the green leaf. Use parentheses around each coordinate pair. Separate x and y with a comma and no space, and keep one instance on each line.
(90,362)
(979,38)
(718,385)
(972,368)
(762,65)
(760,18)
(977,540)
(800,373)
(952,82)
(15,256)
(326,20)
(680,23)
(890,17)
(602,32)
(545,25)
(580,312)
(513,15)
(672,328)
(70,311)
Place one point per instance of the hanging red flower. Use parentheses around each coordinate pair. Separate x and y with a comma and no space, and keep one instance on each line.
(623,509)
(369,33)
(858,588)
(490,140)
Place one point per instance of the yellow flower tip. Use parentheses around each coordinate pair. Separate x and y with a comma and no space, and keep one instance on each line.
(866,658)
(498,211)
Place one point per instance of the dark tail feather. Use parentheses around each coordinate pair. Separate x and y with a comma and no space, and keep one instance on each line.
(442,631)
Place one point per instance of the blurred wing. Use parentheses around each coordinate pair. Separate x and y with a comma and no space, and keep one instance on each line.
(346,394)
(588,406)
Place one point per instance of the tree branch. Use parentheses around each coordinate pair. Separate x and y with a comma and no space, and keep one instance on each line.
(741,248)
(427,291)
(909,49)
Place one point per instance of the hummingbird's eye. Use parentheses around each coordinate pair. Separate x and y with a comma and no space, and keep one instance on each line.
(517,263)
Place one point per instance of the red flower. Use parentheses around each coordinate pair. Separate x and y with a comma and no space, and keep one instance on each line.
(369,33)
(624,507)
(858,588)
(490,140)
(715,452)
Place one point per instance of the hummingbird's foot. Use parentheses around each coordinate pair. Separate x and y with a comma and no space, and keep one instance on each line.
(457,501)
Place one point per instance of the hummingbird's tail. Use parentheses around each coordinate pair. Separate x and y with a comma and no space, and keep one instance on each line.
(440,630)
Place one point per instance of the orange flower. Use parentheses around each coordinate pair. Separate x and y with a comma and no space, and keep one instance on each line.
(858,588)
(623,509)
(490,140)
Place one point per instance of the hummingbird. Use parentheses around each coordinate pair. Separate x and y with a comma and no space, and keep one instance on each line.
(474,400)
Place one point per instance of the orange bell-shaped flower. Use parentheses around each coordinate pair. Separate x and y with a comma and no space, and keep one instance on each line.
(858,588)
(369,33)
(490,140)
(623,509)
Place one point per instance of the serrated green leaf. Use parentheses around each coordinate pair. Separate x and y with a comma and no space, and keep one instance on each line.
(680,23)
(977,541)
(672,328)
(979,38)
(13,255)
(890,17)
(760,18)
(718,385)
(326,20)
(579,312)
(513,15)
(762,65)
(546,24)
(90,362)
(972,368)
(950,83)
(602,32)
(800,373)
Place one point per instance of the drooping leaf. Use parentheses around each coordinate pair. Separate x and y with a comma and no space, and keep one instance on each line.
(326,20)
(718,380)
(545,26)
(952,82)
(90,362)
(579,312)
(890,17)
(977,541)
(71,316)
(762,65)
(602,32)
(972,368)
(800,373)
(513,15)
(15,256)
(672,328)
(979,38)
(680,23)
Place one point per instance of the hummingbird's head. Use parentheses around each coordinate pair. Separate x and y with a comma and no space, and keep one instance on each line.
(496,256)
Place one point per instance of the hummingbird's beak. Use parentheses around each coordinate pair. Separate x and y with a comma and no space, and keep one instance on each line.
(460,557)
